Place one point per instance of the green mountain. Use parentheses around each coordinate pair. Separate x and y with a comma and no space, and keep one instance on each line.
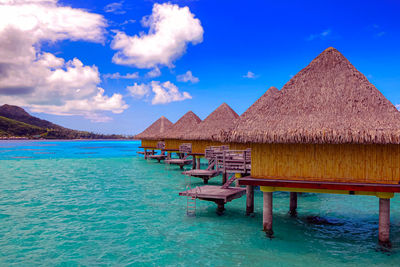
(16,122)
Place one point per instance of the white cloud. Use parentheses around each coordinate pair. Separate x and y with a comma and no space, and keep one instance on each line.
(154,73)
(115,8)
(187,77)
(322,35)
(250,75)
(87,107)
(139,90)
(171,28)
(117,76)
(162,93)
(167,92)
(397,106)
(39,80)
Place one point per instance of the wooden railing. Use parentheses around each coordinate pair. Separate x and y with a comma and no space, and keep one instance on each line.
(185,148)
(161,145)
(229,161)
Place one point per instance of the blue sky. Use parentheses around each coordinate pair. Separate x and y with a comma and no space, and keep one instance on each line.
(245,48)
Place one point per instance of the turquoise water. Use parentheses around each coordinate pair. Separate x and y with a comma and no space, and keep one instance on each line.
(98,203)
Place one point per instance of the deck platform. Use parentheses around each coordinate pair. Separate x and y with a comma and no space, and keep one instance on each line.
(215,193)
(180,162)
(158,157)
(203,174)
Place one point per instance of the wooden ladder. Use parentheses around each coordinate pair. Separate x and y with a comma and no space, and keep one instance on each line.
(190,199)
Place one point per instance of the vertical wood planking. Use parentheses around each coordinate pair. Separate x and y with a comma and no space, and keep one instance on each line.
(328,162)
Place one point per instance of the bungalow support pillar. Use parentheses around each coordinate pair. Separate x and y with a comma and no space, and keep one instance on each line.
(384,221)
(198,163)
(194,162)
(293,204)
(267,213)
(249,199)
(224,177)
(145,154)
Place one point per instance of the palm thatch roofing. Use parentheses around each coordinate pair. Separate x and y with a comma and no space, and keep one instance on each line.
(153,131)
(184,125)
(329,101)
(221,118)
(265,102)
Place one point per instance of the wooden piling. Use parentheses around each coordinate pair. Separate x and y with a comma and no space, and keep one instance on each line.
(293,204)
(267,213)
(384,221)
(249,199)
(198,163)
(145,154)
(194,162)
(220,208)
(224,177)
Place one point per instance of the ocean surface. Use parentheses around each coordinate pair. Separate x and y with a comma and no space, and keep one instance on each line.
(70,203)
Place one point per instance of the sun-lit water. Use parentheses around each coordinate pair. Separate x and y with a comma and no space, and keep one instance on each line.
(97,202)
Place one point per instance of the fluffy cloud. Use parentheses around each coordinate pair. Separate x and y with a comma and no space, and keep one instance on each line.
(117,76)
(167,92)
(249,75)
(154,73)
(41,81)
(171,28)
(187,77)
(163,93)
(139,90)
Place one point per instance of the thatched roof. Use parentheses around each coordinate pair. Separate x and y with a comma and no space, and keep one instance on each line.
(182,126)
(262,104)
(221,118)
(158,127)
(329,101)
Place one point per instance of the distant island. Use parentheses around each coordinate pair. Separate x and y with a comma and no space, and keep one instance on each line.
(16,123)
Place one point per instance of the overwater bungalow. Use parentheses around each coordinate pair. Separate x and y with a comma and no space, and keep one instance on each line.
(184,125)
(206,131)
(151,135)
(328,131)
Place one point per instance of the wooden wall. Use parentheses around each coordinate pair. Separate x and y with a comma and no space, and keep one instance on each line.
(149,143)
(336,163)
(173,144)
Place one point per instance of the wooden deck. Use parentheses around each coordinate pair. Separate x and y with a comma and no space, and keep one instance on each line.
(203,174)
(215,193)
(179,161)
(248,180)
(158,157)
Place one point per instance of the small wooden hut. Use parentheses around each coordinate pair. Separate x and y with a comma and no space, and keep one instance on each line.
(151,135)
(184,125)
(206,131)
(329,131)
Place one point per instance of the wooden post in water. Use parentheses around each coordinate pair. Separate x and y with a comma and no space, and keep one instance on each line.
(293,204)
(224,177)
(220,208)
(384,221)
(194,162)
(198,163)
(249,199)
(267,214)
(145,154)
